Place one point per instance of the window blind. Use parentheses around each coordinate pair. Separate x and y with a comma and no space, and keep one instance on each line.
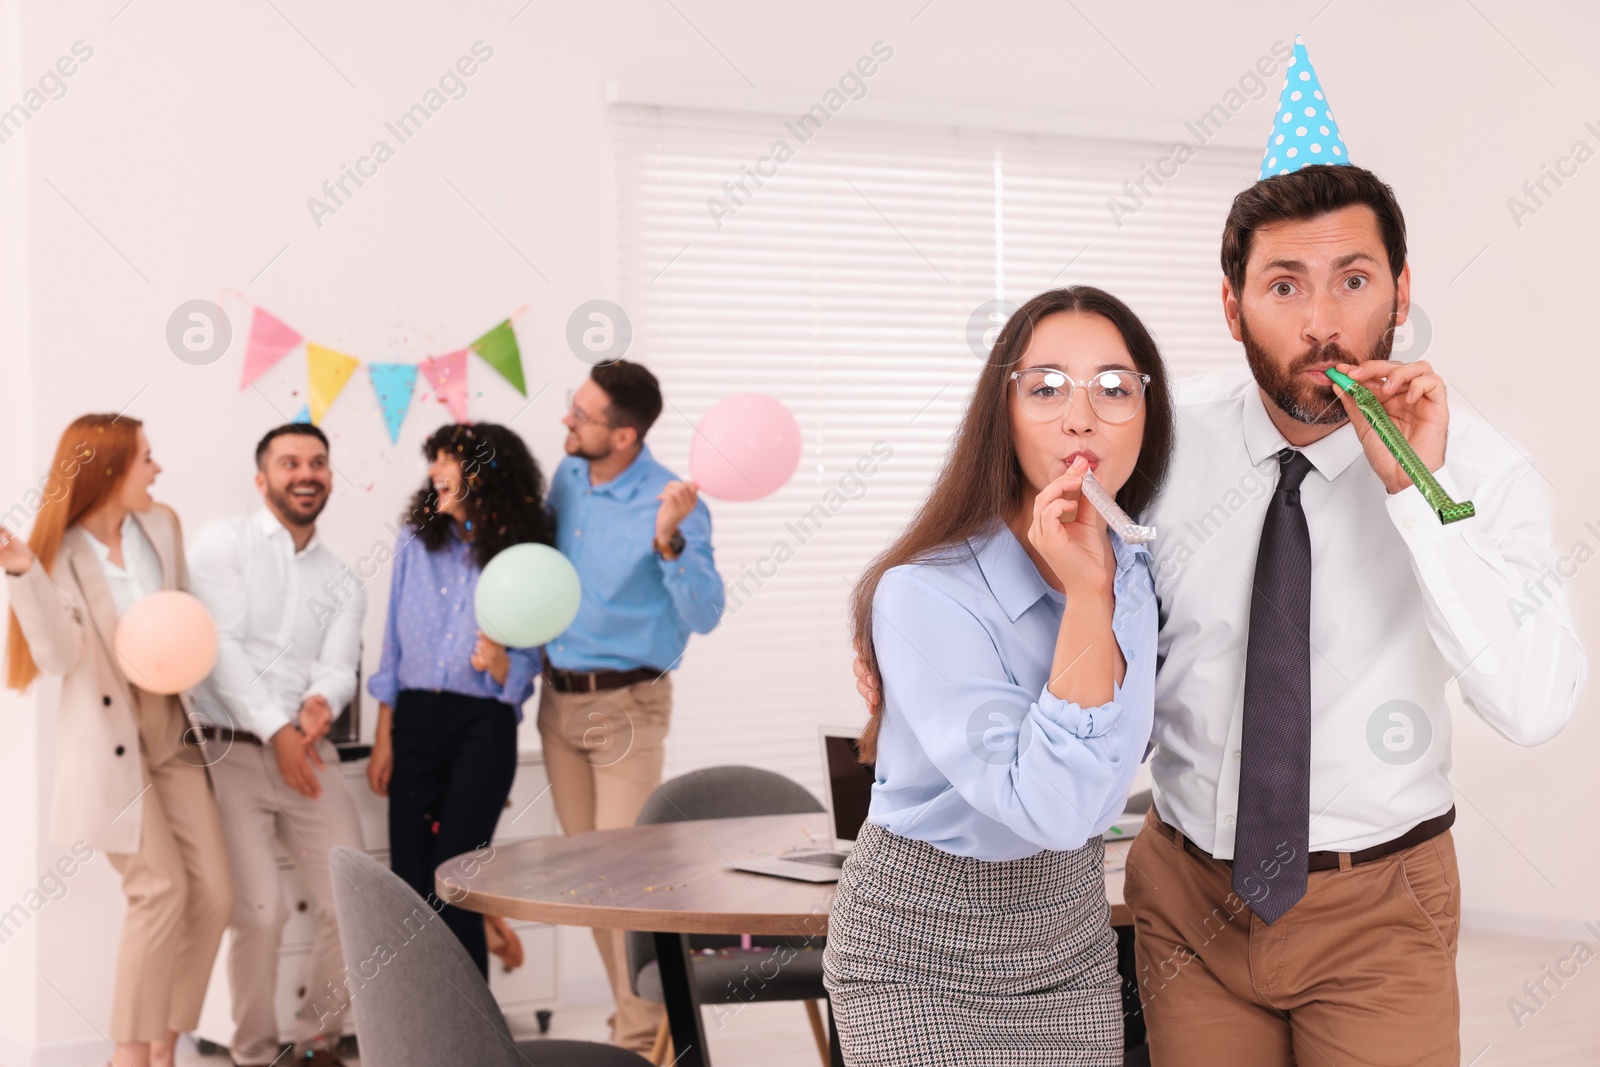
(843,280)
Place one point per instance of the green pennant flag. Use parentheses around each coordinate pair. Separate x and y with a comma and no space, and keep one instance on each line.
(499,349)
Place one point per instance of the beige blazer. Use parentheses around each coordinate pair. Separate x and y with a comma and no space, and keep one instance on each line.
(70,619)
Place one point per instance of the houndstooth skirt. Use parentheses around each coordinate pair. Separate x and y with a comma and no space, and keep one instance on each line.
(941,959)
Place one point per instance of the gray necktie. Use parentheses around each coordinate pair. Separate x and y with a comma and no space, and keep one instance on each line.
(1274,820)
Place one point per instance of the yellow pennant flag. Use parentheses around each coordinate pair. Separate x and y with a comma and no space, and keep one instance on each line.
(327,372)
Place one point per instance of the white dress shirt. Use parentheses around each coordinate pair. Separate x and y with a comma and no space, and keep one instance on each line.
(283,635)
(1401,605)
(140,573)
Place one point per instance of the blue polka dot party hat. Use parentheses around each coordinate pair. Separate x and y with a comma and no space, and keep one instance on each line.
(1303,130)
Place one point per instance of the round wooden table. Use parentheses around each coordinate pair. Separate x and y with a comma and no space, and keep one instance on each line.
(672,879)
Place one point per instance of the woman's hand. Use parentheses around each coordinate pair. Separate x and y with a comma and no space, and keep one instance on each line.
(866,682)
(15,555)
(380,765)
(1070,534)
(488,656)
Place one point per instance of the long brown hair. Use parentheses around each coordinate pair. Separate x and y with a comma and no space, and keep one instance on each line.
(92,458)
(981,480)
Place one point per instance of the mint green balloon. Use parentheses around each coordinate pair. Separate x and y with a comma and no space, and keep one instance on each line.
(526,596)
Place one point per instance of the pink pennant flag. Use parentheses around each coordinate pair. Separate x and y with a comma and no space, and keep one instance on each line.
(270,340)
(447,376)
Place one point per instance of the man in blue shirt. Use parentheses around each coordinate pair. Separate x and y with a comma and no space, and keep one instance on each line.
(641,542)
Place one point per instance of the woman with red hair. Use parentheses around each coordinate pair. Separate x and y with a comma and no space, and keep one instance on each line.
(129,780)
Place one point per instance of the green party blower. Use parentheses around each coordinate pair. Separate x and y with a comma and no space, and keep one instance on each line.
(1447,510)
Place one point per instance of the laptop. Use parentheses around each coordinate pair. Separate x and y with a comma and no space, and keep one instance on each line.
(849,783)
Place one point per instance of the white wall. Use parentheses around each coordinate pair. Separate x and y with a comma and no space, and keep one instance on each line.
(19,758)
(179,162)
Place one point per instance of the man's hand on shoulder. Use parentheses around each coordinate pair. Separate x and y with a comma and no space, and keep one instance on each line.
(866,683)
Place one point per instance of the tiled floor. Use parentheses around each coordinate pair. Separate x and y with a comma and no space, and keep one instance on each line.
(1561,1029)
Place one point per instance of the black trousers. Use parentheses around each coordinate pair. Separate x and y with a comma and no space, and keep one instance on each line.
(454,759)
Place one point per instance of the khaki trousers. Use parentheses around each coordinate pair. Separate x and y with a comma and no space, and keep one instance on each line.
(1360,973)
(177,886)
(603,752)
(261,814)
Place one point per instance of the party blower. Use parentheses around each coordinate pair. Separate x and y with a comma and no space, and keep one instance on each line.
(1448,510)
(1130,532)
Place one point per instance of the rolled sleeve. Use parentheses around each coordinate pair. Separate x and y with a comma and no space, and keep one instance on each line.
(692,580)
(518,687)
(1079,721)
(1045,768)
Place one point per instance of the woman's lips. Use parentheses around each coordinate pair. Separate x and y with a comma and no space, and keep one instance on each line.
(1094,460)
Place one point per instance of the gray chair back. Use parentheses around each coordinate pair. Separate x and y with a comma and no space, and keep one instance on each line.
(717,793)
(418,998)
(726,793)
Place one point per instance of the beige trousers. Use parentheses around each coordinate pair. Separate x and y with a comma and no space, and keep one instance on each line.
(603,752)
(177,886)
(1360,973)
(261,814)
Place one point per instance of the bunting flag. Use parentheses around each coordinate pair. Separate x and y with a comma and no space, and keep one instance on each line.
(327,372)
(447,376)
(394,384)
(270,341)
(499,349)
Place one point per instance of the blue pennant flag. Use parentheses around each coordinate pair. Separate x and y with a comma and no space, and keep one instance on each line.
(394,383)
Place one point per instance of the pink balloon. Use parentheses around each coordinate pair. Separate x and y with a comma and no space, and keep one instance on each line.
(166,643)
(745,448)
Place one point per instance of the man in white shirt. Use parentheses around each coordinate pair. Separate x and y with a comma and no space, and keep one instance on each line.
(1295,891)
(284,665)
(1294,888)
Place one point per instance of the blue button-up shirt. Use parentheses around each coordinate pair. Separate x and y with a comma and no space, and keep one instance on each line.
(431,628)
(976,756)
(638,609)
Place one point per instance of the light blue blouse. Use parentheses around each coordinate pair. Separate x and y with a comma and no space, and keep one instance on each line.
(976,756)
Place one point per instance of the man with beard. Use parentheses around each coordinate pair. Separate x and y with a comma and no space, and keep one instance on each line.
(1294,889)
(640,540)
(284,664)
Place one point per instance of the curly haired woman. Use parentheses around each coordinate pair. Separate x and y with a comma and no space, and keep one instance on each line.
(450,698)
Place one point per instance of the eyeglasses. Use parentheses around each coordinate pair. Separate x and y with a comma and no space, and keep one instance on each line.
(579,416)
(1046,393)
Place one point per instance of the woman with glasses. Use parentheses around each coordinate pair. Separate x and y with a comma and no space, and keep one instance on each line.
(449,698)
(1015,637)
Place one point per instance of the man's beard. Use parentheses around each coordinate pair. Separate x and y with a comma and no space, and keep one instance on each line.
(585,454)
(286,506)
(1301,400)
